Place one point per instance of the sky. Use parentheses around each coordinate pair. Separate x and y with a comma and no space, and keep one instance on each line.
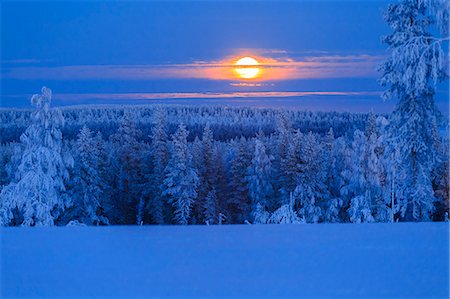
(318,55)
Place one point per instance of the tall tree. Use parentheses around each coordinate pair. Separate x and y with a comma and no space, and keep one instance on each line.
(88,186)
(311,192)
(37,192)
(363,189)
(206,173)
(416,64)
(283,137)
(181,181)
(211,213)
(159,157)
(128,160)
(259,178)
(334,160)
(291,165)
(239,202)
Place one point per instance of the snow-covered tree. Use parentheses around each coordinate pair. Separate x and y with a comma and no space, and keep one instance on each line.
(282,145)
(219,180)
(211,214)
(206,172)
(285,214)
(181,181)
(153,188)
(360,208)
(440,178)
(374,177)
(259,177)
(88,185)
(291,165)
(37,192)
(311,192)
(416,64)
(309,209)
(333,210)
(362,189)
(260,215)
(128,160)
(6,152)
(239,202)
(332,161)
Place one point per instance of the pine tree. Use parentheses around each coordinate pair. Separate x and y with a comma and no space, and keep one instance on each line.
(239,202)
(310,192)
(106,176)
(282,146)
(440,178)
(129,155)
(337,210)
(5,159)
(211,214)
(88,186)
(260,215)
(374,173)
(363,188)
(416,64)
(206,170)
(259,178)
(291,165)
(37,191)
(181,181)
(153,189)
(332,159)
(309,210)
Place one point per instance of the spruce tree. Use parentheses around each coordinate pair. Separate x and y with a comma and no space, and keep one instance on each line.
(416,64)
(154,186)
(239,202)
(88,187)
(181,181)
(38,189)
(128,159)
(259,178)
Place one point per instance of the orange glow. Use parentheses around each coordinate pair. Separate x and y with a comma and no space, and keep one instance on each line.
(247,68)
(253,70)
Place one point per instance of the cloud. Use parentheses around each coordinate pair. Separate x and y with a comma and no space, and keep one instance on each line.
(276,68)
(23,61)
(70,97)
(250,84)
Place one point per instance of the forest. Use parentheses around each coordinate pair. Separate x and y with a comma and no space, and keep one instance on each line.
(106,165)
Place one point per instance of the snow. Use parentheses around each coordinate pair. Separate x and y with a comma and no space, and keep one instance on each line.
(400,260)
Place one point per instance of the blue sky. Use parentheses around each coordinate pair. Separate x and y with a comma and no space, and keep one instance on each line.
(323,52)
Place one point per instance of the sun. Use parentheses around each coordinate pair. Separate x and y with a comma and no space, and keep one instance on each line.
(247,68)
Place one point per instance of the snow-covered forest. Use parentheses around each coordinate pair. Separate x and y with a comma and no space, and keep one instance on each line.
(207,165)
(100,165)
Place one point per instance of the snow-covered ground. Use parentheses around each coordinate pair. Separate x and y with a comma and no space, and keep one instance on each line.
(310,261)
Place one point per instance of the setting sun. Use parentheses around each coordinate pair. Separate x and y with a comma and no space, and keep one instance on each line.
(247,68)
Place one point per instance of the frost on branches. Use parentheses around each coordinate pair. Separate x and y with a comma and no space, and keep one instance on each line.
(259,183)
(89,186)
(36,194)
(417,63)
(285,214)
(182,179)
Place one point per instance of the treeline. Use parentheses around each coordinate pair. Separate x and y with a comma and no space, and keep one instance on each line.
(226,122)
(264,168)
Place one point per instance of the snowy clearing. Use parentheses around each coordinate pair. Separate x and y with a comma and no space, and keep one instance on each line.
(402,260)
